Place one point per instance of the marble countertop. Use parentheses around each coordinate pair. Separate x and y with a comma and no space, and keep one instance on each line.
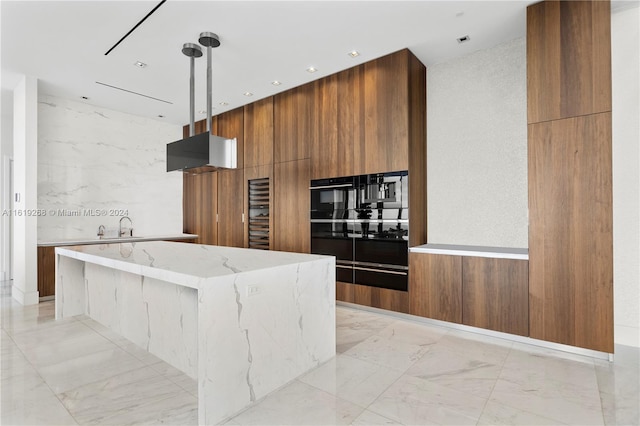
(96,240)
(477,251)
(182,263)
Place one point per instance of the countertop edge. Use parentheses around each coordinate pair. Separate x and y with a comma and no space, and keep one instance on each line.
(81,242)
(475,251)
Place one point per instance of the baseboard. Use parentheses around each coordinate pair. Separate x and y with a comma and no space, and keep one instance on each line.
(30,298)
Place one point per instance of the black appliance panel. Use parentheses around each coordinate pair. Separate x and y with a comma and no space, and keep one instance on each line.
(383,278)
(384,252)
(332,198)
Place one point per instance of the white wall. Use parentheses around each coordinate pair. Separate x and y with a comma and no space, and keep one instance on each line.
(92,159)
(625,45)
(25,152)
(477,148)
(6,153)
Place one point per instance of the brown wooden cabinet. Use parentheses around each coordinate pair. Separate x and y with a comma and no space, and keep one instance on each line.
(230,208)
(570,231)
(200,204)
(568,59)
(392,300)
(46,271)
(258,133)
(294,123)
(435,285)
(495,294)
(330,157)
(230,124)
(569,166)
(291,230)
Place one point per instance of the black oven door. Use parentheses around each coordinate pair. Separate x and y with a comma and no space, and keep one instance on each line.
(332,198)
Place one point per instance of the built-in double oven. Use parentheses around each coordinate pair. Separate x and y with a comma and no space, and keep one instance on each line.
(363,222)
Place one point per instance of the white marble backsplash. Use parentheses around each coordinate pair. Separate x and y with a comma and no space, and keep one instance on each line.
(92,159)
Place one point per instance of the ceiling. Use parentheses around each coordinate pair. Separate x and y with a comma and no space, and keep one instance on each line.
(63,44)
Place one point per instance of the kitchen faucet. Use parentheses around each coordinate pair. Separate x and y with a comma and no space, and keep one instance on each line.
(120,231)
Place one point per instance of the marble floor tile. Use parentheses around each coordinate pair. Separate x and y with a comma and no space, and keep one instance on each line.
(457,371)
(85,369)
(557,400)
(413,333)
(27,400)
(176,376)
(502,415)
(352,379)
(476,346)
(299,404)
(369,418)
(414,401)
(390,353)
(135,397)
(353,327)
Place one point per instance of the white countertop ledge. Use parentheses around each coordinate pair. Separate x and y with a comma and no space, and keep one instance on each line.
(477,251)
(111,240)
(187,264)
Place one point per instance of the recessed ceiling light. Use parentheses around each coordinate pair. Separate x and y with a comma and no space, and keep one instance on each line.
(311,69)
(139,64)
(160,116)
(463,39)
(354,53)
(459,14)
(224,103)
(84,97)
(202,111)
(248,94)
(276,83)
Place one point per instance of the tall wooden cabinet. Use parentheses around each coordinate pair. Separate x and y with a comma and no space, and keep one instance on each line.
(570,186)
(258,133)
(291,226)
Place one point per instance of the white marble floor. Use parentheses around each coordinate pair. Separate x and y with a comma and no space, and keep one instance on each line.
(387,371)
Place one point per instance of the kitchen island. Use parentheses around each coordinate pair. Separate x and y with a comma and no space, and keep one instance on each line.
(242,322)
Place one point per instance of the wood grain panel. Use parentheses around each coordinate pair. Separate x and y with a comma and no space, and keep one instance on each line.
(292,230)
(46,271)
(294,123)
(258,133)
(435,286)
(230,208)
(570,232)
(417,152)
(230,124)
(258,172)
(329,156)
(350,123)
(495,294)
(568,59)
(200,206)
(386,105)
(392,300)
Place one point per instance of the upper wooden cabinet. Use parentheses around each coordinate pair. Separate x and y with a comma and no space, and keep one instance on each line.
(258,133)
(230,124)
(291,227)
(294,123)
(568,59)
(325,149)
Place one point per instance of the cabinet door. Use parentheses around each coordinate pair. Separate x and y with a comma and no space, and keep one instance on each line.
(350,123)
(231,125)
(435,286)
(46,271)
(230,208)
(386,127)
(258,133)
(495,294)
(200,206)
(568,59)
(570,232)
(292,230)
(294,113)
(329,157)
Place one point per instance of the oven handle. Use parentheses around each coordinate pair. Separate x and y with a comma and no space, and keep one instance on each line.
(343,185)
(344,266)
(384,271)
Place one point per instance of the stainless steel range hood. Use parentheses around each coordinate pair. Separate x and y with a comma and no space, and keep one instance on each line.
(204,152)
